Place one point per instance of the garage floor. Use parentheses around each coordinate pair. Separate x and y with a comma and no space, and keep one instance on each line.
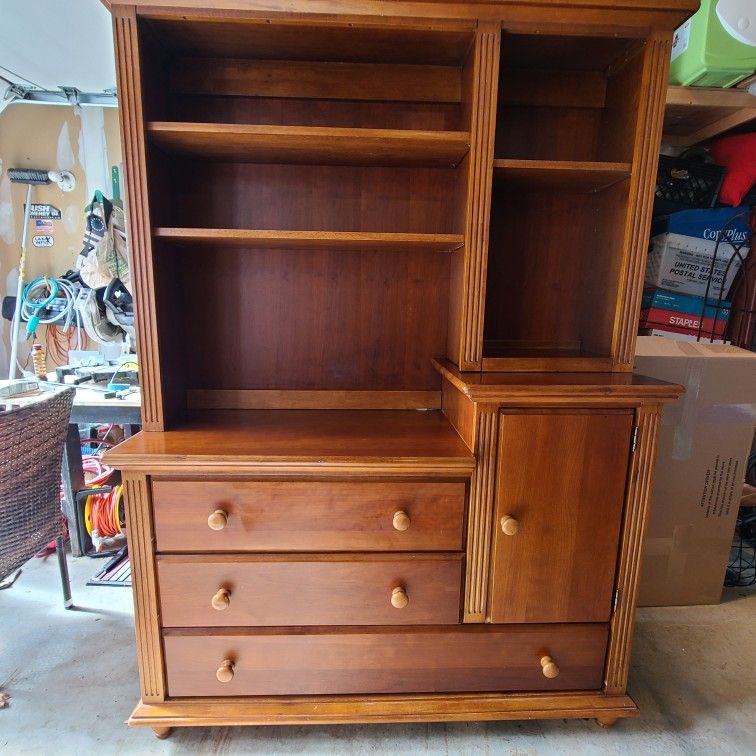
(71,676)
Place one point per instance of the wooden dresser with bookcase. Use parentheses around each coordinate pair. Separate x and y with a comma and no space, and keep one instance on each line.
(388,260)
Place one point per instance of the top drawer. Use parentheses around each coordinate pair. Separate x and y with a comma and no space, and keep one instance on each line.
(308,516)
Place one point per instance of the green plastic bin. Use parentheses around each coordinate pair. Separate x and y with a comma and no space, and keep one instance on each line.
(716,47)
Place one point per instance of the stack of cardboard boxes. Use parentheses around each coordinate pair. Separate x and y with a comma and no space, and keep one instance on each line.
(692,262)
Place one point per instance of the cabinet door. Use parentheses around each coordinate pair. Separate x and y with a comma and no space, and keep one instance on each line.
(559,498)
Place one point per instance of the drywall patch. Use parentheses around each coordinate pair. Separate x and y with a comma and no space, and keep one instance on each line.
(65,155)
(71,219)
(93,151)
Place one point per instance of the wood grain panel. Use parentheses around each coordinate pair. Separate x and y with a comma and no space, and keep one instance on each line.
(309,590)
(482,113)
(513,389)
(144,582)
(480,515)
(638,224)
(566,175)
(618,17)
(362,114)
(640,480)
(128,70)
(310,145)
(460,411)
(554,87)
(315,80)
(308,516)
(316,320)
(250,399)
(404,707)
(546,133)
(302,442)
(561,483)
(329,240)
(383,38)
(552,285)
(315,198)
(385,660)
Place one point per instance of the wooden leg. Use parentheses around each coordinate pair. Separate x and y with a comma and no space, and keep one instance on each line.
(162,732)
(606,722)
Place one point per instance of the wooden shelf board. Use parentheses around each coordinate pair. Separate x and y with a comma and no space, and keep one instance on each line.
(311,145)
(302,441)
(696,114)
(553,387)
(251,399)
(584,176)
(526,357)
(329,240)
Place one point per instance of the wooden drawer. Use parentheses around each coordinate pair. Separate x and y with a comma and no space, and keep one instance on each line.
(311,590)
(309,515)
(384,660)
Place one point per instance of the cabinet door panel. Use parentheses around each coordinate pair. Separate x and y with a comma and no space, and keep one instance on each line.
(561,482)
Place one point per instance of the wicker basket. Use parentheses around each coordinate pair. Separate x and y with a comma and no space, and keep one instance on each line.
(31,454)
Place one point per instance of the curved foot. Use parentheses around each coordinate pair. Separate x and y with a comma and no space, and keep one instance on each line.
(162,732)
(606,722)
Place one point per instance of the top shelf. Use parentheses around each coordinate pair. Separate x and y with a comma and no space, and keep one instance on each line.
(310,145)
(582,176)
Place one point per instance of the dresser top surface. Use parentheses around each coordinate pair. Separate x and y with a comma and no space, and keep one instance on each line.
(315,438)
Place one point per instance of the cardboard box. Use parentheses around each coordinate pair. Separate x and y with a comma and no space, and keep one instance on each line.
(704,442)
(681,255)
(677,336)
(680,322)
(687,303)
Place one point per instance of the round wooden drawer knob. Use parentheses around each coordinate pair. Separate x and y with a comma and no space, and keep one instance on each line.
(225,672)
(509,525)
(401,520)
(549,667)
(399,598)
(221,600)
(217,520)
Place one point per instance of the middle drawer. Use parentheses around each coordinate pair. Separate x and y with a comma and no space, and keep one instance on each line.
(323,589)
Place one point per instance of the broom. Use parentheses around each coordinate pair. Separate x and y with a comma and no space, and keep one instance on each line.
(31,177)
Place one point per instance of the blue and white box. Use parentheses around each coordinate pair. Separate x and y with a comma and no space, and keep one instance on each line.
(682,251)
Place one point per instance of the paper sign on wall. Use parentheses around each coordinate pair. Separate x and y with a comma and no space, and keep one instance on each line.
(49,212)
(43,240)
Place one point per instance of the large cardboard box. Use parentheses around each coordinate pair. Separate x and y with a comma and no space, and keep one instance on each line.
(704,442)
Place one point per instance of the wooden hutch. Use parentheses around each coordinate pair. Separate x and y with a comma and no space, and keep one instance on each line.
(388,260)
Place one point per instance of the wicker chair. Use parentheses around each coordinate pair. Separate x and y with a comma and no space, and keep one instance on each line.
(31,453)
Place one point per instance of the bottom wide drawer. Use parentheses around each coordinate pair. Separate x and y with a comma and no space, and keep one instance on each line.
(385,660)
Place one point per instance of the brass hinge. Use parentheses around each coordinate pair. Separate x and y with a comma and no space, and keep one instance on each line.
(635,438)
(616,600)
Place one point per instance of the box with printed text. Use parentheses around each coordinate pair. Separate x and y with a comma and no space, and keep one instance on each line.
(681,256)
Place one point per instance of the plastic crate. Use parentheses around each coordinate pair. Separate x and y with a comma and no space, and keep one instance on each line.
(716,47)
(686,184)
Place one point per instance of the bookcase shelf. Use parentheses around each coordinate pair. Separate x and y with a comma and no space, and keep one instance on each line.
(343,241)
(311,145)
(570,175)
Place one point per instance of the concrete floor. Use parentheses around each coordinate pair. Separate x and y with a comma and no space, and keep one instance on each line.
(71,676)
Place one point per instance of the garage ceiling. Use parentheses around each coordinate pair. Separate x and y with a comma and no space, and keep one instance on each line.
(48,44)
